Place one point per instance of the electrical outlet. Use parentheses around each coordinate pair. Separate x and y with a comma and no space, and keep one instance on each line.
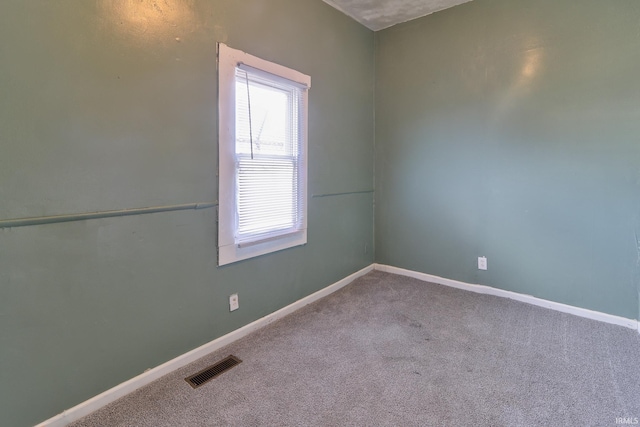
(234,304)
(482,263)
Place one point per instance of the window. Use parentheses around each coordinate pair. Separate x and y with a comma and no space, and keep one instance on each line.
(262,154)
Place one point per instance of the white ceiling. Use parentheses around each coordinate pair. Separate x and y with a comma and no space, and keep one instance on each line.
(379,14)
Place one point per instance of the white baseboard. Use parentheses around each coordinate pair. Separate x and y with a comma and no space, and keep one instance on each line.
(147,377)
(481,289)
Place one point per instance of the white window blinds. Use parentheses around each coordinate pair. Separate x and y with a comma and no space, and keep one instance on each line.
(268,148)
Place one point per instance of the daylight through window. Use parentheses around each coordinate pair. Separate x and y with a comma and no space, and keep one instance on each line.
(262,156)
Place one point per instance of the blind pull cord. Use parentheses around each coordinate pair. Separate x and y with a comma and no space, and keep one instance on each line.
(246,76)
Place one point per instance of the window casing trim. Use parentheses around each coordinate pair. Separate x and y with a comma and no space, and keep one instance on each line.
(229,250)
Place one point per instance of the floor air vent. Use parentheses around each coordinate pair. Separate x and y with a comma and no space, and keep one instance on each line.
(213,371)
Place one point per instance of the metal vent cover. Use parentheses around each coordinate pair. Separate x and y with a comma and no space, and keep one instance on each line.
(207,374)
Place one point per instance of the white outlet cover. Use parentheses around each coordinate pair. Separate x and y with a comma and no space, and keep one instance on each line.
(234,304)
(482,263)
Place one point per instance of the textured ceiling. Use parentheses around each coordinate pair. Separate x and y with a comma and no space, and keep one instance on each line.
(379,14)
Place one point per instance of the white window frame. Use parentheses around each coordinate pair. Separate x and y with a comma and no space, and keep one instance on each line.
(229,250)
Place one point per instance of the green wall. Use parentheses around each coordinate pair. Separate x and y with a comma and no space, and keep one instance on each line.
(108,105)
(504,128)
(511,129)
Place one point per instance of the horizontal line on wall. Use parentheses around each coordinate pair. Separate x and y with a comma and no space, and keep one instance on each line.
(25,222)
(315,196)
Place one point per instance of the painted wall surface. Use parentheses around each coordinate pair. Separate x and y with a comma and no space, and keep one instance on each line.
(109,105)
(511,129)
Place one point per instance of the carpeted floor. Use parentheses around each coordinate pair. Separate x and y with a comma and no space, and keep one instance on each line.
(393,351)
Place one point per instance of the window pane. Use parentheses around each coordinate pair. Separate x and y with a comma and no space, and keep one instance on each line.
(271,116)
